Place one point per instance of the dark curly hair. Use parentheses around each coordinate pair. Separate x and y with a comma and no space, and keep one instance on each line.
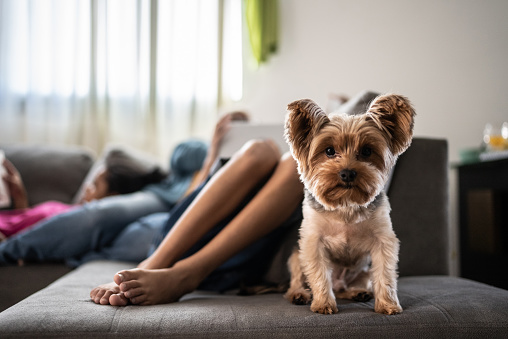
(127,174)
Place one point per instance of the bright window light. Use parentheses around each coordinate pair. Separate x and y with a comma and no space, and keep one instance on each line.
(232,53)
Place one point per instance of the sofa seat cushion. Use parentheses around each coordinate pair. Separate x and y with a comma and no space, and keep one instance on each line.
(434,306)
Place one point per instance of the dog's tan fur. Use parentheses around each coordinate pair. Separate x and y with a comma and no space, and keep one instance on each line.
(347,247)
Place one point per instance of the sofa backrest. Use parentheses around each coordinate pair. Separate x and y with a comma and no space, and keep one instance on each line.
(50,172)
(418,196)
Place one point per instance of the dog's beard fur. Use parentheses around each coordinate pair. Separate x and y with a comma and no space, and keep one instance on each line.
(347,218)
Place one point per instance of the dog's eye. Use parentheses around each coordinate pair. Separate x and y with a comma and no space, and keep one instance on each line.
(366,151)
(330,152)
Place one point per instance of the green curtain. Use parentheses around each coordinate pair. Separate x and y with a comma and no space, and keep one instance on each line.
(262,22)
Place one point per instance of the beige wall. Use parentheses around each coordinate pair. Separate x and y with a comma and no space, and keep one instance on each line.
(450,57)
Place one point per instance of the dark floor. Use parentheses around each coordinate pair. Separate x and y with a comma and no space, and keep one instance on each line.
(17,283)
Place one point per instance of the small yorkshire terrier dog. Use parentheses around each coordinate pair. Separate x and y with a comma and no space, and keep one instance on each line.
(347,247)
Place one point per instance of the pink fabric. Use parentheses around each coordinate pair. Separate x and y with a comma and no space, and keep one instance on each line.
(13,221)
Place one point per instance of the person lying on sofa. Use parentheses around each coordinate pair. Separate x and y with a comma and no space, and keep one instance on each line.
(219,236)
(94,225)
(120,174)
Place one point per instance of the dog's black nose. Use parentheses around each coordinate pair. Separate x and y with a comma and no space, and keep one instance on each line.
(347,175)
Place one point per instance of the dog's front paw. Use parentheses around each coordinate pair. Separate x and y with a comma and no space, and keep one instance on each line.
(299,296)
(386,308)
(324,308)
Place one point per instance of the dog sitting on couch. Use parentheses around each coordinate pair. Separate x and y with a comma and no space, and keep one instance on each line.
(347,247)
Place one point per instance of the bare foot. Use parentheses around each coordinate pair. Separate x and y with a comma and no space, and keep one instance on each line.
(158,286)
(108,294)
(152,262)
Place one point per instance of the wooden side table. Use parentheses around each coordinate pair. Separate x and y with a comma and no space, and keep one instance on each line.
(483,221)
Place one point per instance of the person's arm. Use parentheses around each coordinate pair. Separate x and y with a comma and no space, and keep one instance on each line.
(221,128)
(16,186)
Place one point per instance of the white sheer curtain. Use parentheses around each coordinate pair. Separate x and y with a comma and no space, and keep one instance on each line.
(144,73)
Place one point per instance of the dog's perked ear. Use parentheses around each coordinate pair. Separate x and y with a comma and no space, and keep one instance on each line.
(394,115)
(304,119)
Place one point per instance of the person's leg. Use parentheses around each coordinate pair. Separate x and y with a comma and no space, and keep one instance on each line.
(80,230)
(133,243)
(273,204)
(221,196)
(216,200)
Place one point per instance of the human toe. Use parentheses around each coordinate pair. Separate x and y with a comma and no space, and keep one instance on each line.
(98,297)
(105,298)
(96,294)
(128,285)
(118,299)
(119,277)
(126,275)
(133,293)
(139,300)
(93,293)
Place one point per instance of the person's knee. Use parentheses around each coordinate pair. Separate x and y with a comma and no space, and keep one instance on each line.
(260,154)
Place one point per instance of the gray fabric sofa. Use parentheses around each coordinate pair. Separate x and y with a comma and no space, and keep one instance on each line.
(435,304)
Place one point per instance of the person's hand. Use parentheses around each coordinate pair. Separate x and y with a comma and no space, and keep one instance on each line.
(224,125)
(221,128)
(15,184)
